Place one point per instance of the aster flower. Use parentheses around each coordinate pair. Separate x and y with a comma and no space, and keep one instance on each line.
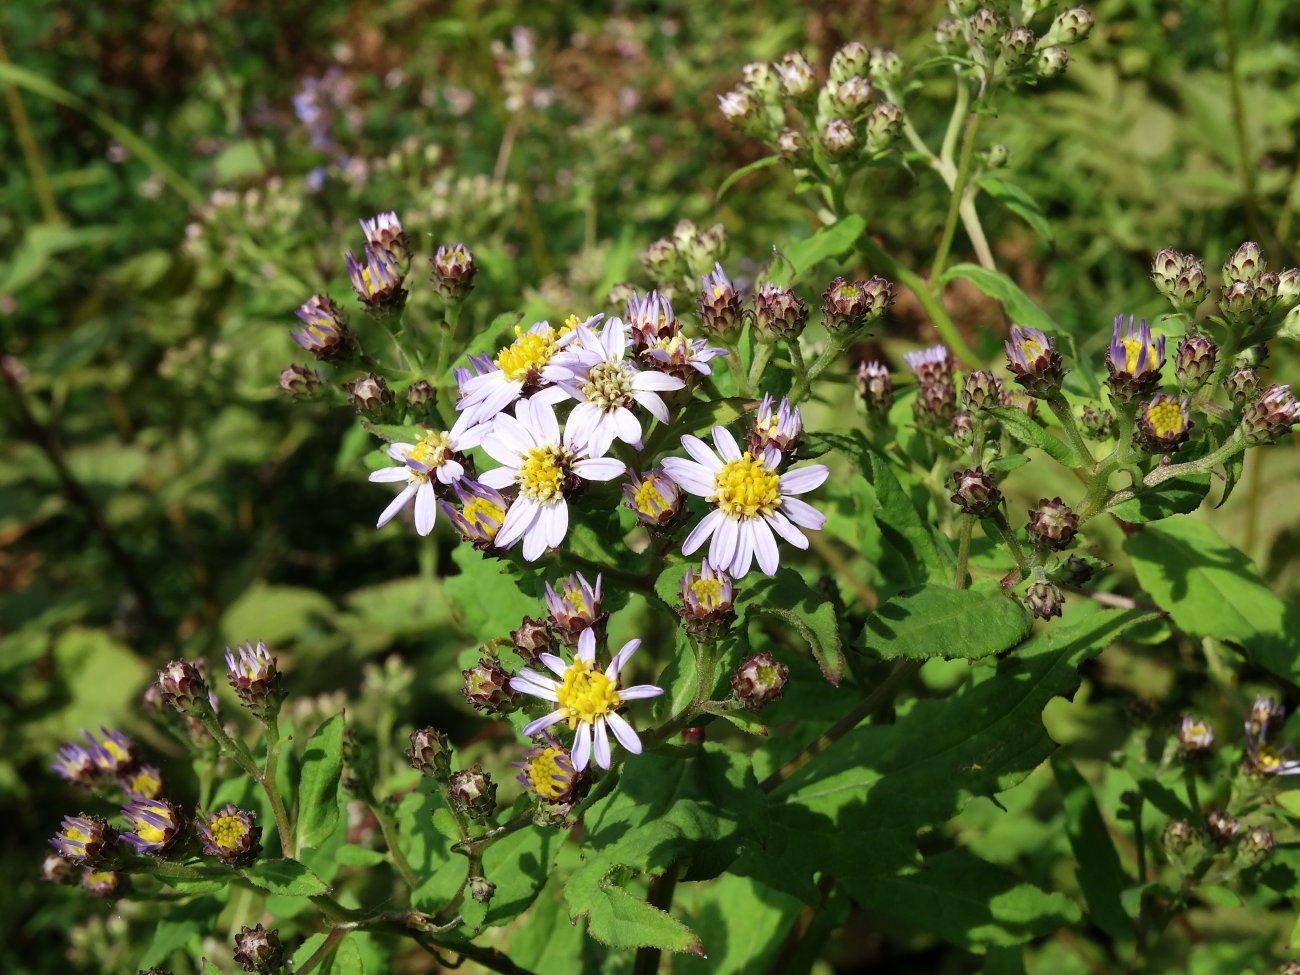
(598,375)
(1194,735)
(547,771)
(683,357)
(142,783)
(231,835)
(113,751)
(752,501)
(377,281)
(437,455)
(252,673)
(1265,714)
(1133,359)
(575,608)
(517,368)
(100,883)
(930,365)
(453,271)
(875,387)
(719,304)
(480,516)
(1034,362)
(156,826)
(384,232)
(84,839)
(781,428)
(654,498)
(545,466)
(76,764)
(1271,416)
(1163,424)
(588,699)
(707,602)
(325,332)
(649,319)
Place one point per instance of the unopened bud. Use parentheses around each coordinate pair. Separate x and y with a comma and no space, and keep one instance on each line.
(1017,46)
(1246,263)
(1044,600)
(975,492)
(532,639)
(719,305)
(1256,846)
(885,67)
(259,950)
(481,889)
(662,260)
(762,80)
(1242,384)
(947,33)
(981,390)
(487,687)
(1271,416)
(1096,423)
(1288,287)
(1194,735)
(792,146)
(299,382)
(1052,61)
(998,155)
(985,29)
(1052,525)
(183,687)
(779,313)
(421,399)
(453,271)
(838,138)
(797,79)
(1194,361)
(884,126)
(1070,27)
(1222,826)
(850,60)
(759,680)
(370,395)
(875,387)
(473,792)
(430,753)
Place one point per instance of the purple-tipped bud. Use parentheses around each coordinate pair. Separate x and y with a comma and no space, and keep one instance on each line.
(779,313)
(1242,301)
(759,680)
(975,492)
(1222,826)
(780,428)
(849,98)
(299,382)
(84,839)
(231,835)
(370,396)
(487,687)
(325,332)
(655,498)
(792,146)
(1194,361)
(184,688)
(1052,62)
(797,80)
(1179,835)
(421,399)
(930,366)
(1052,525)
(77,765)
(1133,360)
(1242,385)
(1246,263)
(547,772)
(981,390)
(1256,846)
(430,753)
(742,108)
(1163,424)
(1034,362)
(962,429)
(1195,736)
(574,608)
(1266,715)
(1096,423)
(259,950)
(662,260)
(883,128)
(875,387)
(384,232)
(1017,46)
(719,304)
(849,61)
(254,678)
(849,306)
(1044,600)
(649,320)
(100,883)
(377,281)
(481,514)
(157,827)
(1271,416)
(762,79)
(472,791)
(532,639)
(707,602)
(985,29)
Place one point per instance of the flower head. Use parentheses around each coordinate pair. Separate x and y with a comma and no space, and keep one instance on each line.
(779,312)
(1266,714)
(1033,360)
(384,233)
(370,396)
(472,791)
(930,365)
(981,390)
(325,332)
(231,835)
(654,497)
(1194,735)
(1134,359)
(975,492)
(545,467)
(848,306)
(547,771)
(481,514)
(587,698)
(1052,525)
(84,839)
(377,281)
(487,687)
(113,751)
(751,501)
(183,686)
(76,764)
(100,883)
(259,950)
(683,357)
(430,753)
(797,79)
(1272,415)
(156,824)
(780,428)
(1163,424)
(516,369)
(707,602)
(144,782)
(875,386)
(254,677)
(759,680)
(453,271)
(649,319)
(437,456)
(576,607)
(719,304)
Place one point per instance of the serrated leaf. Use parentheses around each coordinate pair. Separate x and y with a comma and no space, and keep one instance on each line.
(935,621)
(804,255)
(1176,496)
(917,557)
(789,599)
(1015,199)
(742,172)
(318,787)
(178,926)
(1020,309)
(351,855)
(285,876)
(1028,431)
(395,432)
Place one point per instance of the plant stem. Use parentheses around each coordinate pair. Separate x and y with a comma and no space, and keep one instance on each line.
(1061,410)
(1193,797)
(245,761)
(963,550)
(320,954)
(1000,522)
(761,355)
(389,829)
(31,150)
(958,191)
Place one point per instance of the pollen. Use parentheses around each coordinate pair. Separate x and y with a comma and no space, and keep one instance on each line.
(228,832)
(708,592)
(586,694)
(647,499)
(526,356)
(431,451)
(149,832)
(486,515)
(1031,349)
(1133,352)
(608,385)
(145,784)
(545,775)
(542,473)
(1166,419)
(746,488)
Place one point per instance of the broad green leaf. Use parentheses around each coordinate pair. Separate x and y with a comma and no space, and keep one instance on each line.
(519,864)
(485,597)
(905,531)
(1018,202)
(1176,496)
(679,679)
(1031,433)
(935,621)
(347,959)
(318,788)
(351,855)
(178,926)
(804,255)
(744,171)
(1001,288)
(276,614)
(741,924)
(1004,961)
(1211,589)
(1100,874)
(545,940)
(691,814)
(287,877)
(307,949)
(427,832)
(791,601)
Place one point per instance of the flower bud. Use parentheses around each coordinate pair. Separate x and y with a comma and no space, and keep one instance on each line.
(259,950)
(532,639)
(1289,968)
(1266,715)
(1044,600)
(1288,287)
(850,60)
(707,602)
(838,138)
(884,126)
(453,269)
(157,826)
(1133,360)
(947,33)
(655,499)
(1166,267)
(792,146)
(1069,27)
(975,492)
(1096,423)
(1222,826)
(931,366)
(981,390)
(481,889)
(875,387)
(1256,846)
(370,395)
(985,29)
(781,428)
(325,332)
(1020,400)
(998,155)
(797,79)
(1052,61)
(849,307)
(1190,289)
(719,305)
(1017,46)
(547,772)
(473,792)
(935,403)
(299,382)
(759,680)
(884,67)
(762,80)
(576,607)
(1271,416)
(1246,263)
(487,687)
(183,687)
(84,839)
(254,678)
(1076,571)
(377,281)
(56,870)
(421,399)
(142,782)
(778,313)
(1178,837)
(962,429)
(231,835)
(100,883)
(1195,737)
(849,98)
(1194,361)
(430,753)
(1242,384)
(1034,362)
(742,109)
(1243,301)
(1163,424)
(1052,525)
(662,260)
(385,232)
(77,764)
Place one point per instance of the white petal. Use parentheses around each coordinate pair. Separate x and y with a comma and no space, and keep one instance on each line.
(653,404)
(614,339)
(723,547)
(744,552)
(601,742)
(520,518)
(587,645)
(544,424)
(465,434)
(536,536)
(399,451)
(803,514)
(426,508)
(804,479)
(599,469)
(509,438)
(553,663)
(387,475)
(396,505)
(554,395)
(698,449)
(624,733)
(769,559)
(450,471)
(500,477)
(784,527)
(555,518)
(694,478)
(626,427)
(639,692)
(700,533)
(725,444)
(534,687)
(581,747)
(542,723)
(621,658)
(649,379)
(582,423)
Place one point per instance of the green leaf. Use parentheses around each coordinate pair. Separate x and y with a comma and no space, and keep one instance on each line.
(914,547)
(1176,496)
(1232,470)
(351,855)
(1001,288)
(209,968)
(276,614)
(744,171)
(318,787)
(804,255)
(741,924)
(1101,876)
(178,926)
(1031,433)
(347,959)
(1018,202)
(519,864)
(934,621)
(786,597)
(1211,589)
(426,833)
(395,432)
(286,876)
(307,949)
(485,596)
(667,812)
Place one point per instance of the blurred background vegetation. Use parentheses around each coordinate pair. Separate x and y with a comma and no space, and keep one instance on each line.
(181,174)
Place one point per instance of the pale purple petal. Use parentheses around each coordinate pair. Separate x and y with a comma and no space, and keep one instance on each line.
(639,692)
(396,505)
(555,518)
(786,529)
(694,478)
(804,479)
(521,516)
(581,747)
(587,645)
(726,444)
(700,533)
(621,658)
(698,449)
(553,663)
(802,514)
(399,451)
(389,475)
(744,551)
(450,471)
(624,733)
(626,427)
(769,559)
(599,469)
(426,507)
(653,404)
(601,743)
(500,477)
(536,536)
(542,723)
(723,547)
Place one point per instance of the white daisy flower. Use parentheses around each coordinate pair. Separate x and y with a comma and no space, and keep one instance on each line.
(544,466)
(599,376)
(433,456)
(588,699)
(752,499)
(518,366)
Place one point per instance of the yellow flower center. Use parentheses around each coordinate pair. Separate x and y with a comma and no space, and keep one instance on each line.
(149,832)
(144,784)
(545,775)
(648,500)
(608,385)
(1133,350)
(485,514)
(527,354)
(1031,348)
(542,474)
(574,603)
(97,877)
(708,592)
(228,832)
(1166,419)
(570,323)
(431,451)
(745,488)
(76,835)
(586,694)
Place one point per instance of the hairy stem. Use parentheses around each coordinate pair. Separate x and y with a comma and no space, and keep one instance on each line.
(958,192)
(245,761)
